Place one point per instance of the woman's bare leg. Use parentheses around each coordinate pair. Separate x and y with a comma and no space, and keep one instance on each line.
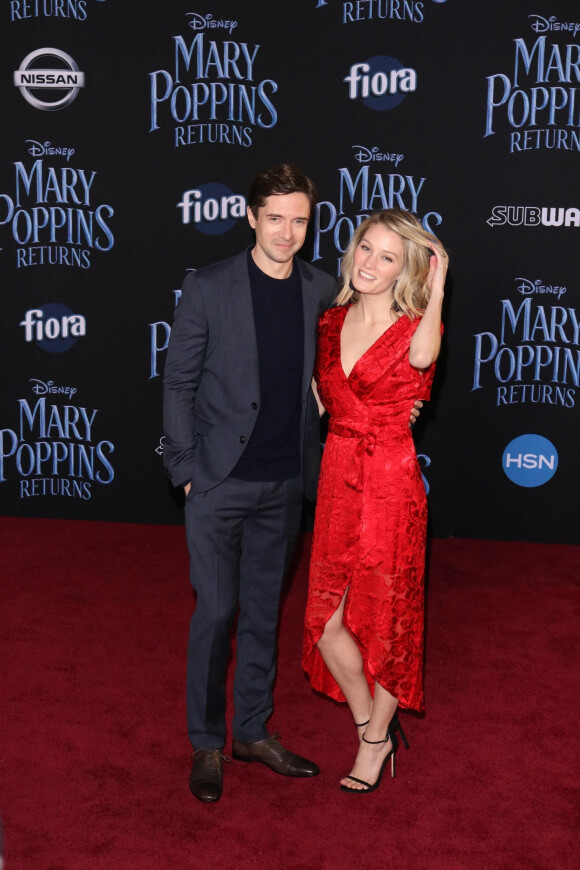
(344,661)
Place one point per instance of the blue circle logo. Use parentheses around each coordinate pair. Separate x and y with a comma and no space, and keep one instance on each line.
(381,82)
(385,91)
(212,208)
(53,327)
(530,460)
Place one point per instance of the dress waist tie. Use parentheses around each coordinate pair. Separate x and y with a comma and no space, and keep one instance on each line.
(367,441)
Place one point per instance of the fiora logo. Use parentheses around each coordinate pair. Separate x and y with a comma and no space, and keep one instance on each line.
(35,77)
(530,460)
(54,327)
(212,208)
(381,82)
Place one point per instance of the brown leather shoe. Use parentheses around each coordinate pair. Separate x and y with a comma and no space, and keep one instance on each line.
(207,772)
(271,752)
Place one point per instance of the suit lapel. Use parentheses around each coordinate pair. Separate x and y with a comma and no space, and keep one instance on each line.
(243,324)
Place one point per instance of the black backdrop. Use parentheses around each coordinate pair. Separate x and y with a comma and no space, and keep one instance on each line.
(466,113)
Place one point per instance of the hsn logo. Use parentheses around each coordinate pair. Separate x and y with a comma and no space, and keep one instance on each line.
(530,460)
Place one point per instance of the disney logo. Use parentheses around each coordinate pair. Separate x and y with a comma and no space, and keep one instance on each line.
(527,287)
(40,149)
(543,25)
(201,22)
(370,155)
(40,388)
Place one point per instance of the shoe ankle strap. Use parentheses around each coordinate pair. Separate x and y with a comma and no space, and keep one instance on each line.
(375,742)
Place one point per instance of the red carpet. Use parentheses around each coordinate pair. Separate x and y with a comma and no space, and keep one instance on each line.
(94,755)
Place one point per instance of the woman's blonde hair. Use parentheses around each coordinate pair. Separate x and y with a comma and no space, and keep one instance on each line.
(411,293)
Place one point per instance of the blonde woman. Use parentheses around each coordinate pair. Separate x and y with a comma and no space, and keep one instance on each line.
(376,355)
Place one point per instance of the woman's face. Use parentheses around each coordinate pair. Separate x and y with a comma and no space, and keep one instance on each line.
(378,261)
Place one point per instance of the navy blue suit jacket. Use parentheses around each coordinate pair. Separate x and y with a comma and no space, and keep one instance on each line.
(211,385)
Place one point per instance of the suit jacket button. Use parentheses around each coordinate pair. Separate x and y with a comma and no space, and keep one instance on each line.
(255,406)
(242,439)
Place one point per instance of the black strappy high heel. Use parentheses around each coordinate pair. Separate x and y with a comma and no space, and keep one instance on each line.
(375,785)
(394,726)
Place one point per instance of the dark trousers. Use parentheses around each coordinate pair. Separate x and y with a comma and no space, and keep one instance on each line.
(240,536)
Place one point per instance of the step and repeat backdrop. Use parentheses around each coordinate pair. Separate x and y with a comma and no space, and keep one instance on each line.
(130,133)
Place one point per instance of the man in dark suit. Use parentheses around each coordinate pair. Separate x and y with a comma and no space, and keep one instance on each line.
(242,437)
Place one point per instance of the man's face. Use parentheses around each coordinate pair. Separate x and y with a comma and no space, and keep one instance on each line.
(280,230)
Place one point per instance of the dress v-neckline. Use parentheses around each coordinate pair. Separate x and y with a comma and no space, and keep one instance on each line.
(368,350)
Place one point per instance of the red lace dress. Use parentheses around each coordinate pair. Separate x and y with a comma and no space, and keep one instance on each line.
(371,512)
